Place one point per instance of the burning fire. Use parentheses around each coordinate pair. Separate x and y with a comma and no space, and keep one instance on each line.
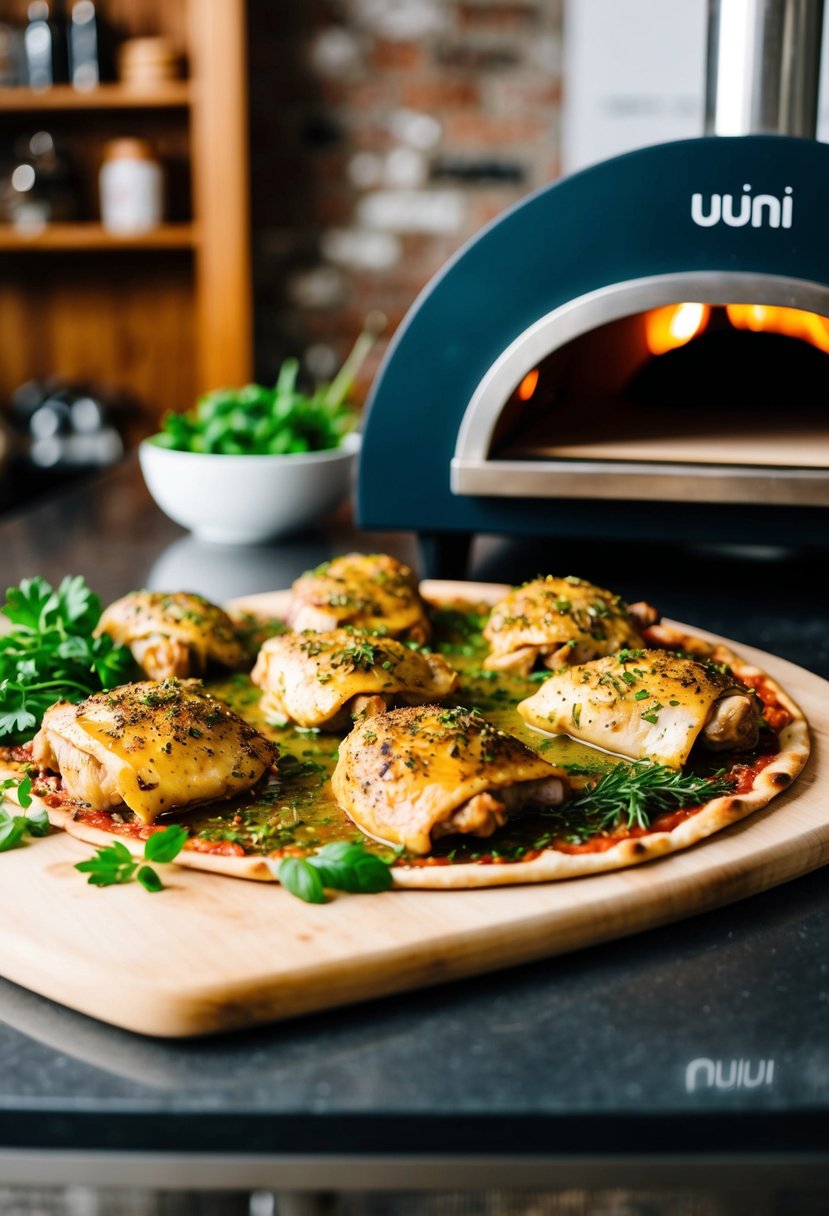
(676,324)
(793,322)
(528,385)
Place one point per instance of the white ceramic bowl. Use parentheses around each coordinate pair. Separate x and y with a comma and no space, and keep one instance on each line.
(245,500)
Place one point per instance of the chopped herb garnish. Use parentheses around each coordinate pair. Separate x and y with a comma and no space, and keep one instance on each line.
(632,795)
(114,863)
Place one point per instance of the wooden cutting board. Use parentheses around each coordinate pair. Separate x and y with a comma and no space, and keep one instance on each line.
(212,953)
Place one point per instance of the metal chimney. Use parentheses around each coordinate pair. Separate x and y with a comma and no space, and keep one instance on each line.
(763,67)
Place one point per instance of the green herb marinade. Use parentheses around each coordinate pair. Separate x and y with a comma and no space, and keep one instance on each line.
(297,811)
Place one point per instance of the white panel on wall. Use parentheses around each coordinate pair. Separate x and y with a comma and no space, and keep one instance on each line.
(634,74)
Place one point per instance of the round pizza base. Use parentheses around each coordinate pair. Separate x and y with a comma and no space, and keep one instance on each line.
(549,865)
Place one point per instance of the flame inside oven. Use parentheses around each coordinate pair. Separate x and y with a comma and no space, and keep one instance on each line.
(689,382)
(676,324)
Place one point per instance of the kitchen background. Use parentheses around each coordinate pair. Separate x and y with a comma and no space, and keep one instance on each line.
(328,173)
(287,170)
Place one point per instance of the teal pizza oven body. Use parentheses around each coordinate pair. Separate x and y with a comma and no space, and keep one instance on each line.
(491,408)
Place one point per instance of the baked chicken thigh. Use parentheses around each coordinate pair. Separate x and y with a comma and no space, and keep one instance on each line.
(561,620)
(409,776)
(173,634)
(647,704)
(151,746)
(328,679)
(373,591)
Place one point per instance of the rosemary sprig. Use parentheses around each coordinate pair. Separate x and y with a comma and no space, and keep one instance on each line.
(633,795)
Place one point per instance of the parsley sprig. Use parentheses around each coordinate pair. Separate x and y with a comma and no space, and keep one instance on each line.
(14,827)
(633,795)
(341,866)
(50,655)
(114,863)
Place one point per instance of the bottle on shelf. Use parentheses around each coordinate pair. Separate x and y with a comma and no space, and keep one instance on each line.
(40,188)
(131,187)
(86,39)
(44,46)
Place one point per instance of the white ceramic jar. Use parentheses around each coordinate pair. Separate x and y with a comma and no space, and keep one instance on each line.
(131,187)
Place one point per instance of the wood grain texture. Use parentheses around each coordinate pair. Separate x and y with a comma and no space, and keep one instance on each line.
(211,953)
(167,94)
(219,132)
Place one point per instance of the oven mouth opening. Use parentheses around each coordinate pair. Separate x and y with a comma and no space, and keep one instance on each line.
(579,406)
(688,382)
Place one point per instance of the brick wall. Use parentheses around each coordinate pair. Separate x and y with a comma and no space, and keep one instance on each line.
(384,133)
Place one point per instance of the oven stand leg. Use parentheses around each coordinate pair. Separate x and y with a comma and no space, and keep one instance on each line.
(444,554)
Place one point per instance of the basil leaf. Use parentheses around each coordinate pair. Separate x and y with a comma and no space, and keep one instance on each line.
(149,879)
(344,865)
(11,832)
(24,797)
(340,852)
(166,844)
(37,823)
(372,874)
(301,878)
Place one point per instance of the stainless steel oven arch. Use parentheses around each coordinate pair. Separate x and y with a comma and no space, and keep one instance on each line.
(474,472)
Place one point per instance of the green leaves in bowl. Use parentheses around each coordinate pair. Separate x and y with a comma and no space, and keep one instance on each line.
(259,421)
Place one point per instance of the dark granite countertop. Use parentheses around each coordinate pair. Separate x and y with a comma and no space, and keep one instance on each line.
(703,1042)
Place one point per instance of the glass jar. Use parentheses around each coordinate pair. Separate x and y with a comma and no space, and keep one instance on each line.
(131,187)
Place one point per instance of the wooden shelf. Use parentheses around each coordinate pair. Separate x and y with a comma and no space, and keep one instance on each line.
(175,94)
(162,317)
(69,237)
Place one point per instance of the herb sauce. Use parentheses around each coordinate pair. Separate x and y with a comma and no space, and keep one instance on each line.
(296,811)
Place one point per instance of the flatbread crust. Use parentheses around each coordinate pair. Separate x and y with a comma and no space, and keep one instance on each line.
(549,865)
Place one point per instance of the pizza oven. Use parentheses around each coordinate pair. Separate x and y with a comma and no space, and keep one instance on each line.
(640,349)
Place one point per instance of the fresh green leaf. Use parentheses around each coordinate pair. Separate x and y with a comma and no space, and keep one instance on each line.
(12,831)
(50,654)
(149,879)
(115,863)
(22,786)
(256,420)
(166,844)
(14,827)
(16,718)
(37,822)
(343,865)
(298,876)
(111,864)
(25,604)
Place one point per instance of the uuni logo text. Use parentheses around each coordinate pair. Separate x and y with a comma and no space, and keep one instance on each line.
(761,210)
(731,1074)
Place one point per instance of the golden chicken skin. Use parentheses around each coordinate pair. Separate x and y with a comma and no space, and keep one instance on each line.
(151,746)
(329,679)
(173,634)
(373,592)
(647,704)
(409,776)
(561,620)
